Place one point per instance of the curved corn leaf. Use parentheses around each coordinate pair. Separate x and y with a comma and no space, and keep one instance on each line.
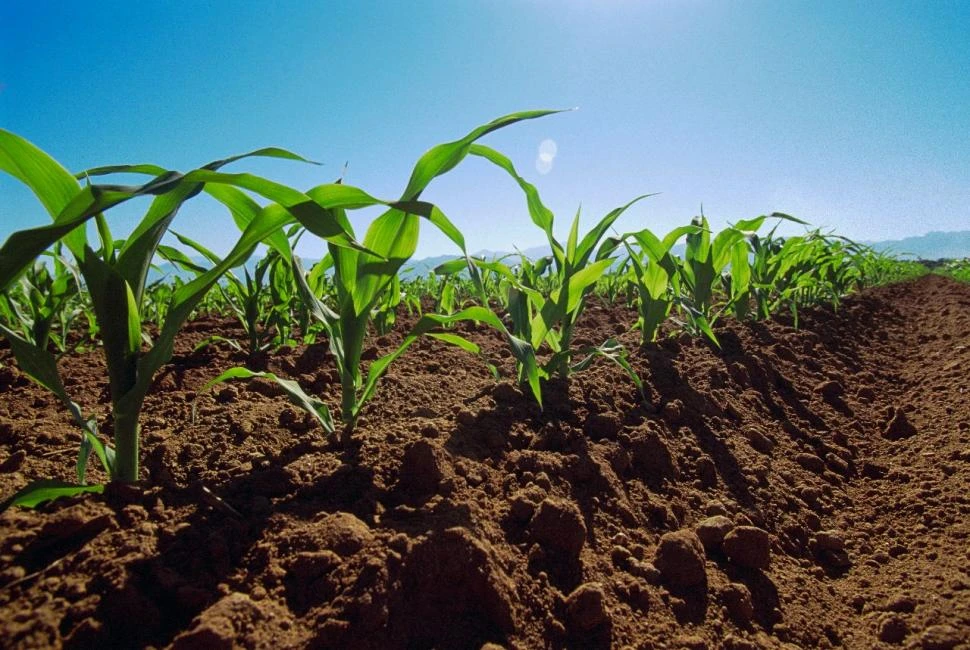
(445,157)
(522,351)
(45,490)
(53,185)
(612,350)
(312,405)
(540,214)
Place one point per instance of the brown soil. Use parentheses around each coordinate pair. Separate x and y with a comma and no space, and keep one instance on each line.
(805,488)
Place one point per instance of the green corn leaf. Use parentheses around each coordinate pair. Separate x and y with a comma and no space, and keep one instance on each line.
(583,279)
(42,491)
(585,249)
(200,249)
(308,211)
(522,351)
(445,157)
(451,267)
(136,255)
(244,209)
(24,246)
(91,443)
(47,179)
(155,170)
(177,257)
(433,214)
(457,341)
(612,350)
(540,214)
(112,300)
(316,407)
(722,247)
(573,238)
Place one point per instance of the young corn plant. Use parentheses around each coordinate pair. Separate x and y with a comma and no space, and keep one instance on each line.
(260,300)
(362,278)
(547,315)
(704,270)
(43,303)
(655,273)
(115,276)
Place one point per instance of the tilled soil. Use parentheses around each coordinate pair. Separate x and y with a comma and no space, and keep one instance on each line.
(795,488)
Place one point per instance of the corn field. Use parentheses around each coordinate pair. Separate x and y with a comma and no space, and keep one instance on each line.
(63,291)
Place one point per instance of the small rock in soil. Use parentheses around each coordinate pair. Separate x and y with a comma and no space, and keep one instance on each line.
(691,642)
(680,559)
(892,629)
(706,471)
(344,533)
(874,470)
(829,540)
(586,609)
(898,427)
(901,604)
(673,411)
(506,393)
(652,455)
(559,525)
(837,465)
(711,531)
(232,622)
(748,546)
(811,462)
(737,599)
(733,642)
(603,425)
(521,507)
(13,461)
(715,508)
(758,441)
(831,391)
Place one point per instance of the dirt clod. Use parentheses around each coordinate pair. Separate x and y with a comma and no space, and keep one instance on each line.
(559,526)
(711,531)
(586,609)
(748,546)
(892,629)
(898,426)
(737,599)
(680,559)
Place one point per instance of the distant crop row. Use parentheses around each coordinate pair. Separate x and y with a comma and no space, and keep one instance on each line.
(957,269)
(61,290)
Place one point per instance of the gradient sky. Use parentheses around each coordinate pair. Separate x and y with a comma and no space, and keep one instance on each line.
(852,115)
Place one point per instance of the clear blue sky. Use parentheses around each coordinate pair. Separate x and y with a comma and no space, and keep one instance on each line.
(853,115)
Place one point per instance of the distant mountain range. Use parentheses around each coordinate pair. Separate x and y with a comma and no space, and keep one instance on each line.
(931,246)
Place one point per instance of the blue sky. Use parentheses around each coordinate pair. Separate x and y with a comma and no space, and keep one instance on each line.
(852,115)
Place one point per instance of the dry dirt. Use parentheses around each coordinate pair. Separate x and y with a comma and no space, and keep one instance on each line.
(796,488)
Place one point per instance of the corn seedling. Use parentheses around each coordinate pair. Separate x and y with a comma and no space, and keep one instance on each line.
(115,277)
(548,317)
(44,301)
(362,278)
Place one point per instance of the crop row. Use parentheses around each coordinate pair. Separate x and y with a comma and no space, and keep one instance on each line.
(62,289)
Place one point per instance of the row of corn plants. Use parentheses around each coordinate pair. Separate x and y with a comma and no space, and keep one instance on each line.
(55,276)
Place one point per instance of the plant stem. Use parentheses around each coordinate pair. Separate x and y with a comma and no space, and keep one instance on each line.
(126,446)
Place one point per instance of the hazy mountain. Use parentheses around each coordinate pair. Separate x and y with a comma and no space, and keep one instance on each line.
(931,246)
